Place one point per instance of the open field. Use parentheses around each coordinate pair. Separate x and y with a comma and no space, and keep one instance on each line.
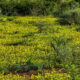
(38,43)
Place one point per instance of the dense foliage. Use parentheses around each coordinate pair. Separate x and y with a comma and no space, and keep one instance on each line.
(35,43)
(37,7)
(40,46)
(67,10)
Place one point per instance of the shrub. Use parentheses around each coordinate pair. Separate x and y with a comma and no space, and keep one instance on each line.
(27,7)
(71,17)
(63,54)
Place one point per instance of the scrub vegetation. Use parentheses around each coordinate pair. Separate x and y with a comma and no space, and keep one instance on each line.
(39,40)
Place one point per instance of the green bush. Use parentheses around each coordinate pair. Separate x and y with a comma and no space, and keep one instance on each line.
(63,54)
(26,7)
(71,17)
(37,7)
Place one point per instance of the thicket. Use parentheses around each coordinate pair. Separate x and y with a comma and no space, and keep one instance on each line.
(67,10)
(38,7)
(26,7)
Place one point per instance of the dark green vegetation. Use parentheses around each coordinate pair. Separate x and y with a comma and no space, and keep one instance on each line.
(67,10)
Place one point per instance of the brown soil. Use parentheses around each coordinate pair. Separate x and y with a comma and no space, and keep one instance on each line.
(28,74)
(35,72)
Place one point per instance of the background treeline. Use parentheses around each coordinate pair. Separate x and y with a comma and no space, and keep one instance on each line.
(27,7)
(68,10)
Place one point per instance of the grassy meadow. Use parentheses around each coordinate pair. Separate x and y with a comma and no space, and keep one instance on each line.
(41,45)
